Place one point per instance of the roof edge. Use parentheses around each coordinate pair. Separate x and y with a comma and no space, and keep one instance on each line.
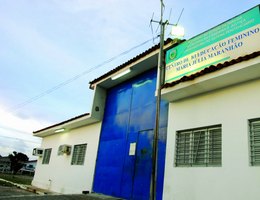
(62,123)
(134,59)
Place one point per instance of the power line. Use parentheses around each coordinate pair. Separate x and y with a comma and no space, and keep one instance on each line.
(74,78)
(12,129)
(15,138)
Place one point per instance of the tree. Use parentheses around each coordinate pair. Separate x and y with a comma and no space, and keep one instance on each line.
(17,161)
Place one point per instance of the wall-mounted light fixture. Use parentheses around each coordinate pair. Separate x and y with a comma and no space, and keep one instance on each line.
(121,74)
(177,31)
(59,130)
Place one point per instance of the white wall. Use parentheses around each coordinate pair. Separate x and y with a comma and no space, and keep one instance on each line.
(59,175)
(235,179)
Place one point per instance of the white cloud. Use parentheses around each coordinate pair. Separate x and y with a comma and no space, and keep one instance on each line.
(8,145)
(85,5)
(36,45)
(5,150)
(16,133)
(24,125)
(114,25)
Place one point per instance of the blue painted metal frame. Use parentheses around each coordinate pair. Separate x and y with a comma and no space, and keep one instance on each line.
(130,108)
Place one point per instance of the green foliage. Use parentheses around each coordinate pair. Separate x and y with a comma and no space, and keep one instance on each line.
(17,161)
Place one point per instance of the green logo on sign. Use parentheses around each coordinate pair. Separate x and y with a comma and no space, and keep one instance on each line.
(173,54)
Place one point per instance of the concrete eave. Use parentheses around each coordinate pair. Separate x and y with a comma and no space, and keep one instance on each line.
(147,62)
(68,126)
(232,75)
(136,68)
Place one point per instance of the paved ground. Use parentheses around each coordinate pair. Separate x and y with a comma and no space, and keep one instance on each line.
(14,193)
(7,192)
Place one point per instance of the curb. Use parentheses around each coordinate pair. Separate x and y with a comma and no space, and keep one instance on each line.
(25,187)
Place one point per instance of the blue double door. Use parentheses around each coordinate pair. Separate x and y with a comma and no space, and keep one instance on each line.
(124,160)
(143,165)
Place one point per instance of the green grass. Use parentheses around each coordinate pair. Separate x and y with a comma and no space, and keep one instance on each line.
(21,179)
(3,183)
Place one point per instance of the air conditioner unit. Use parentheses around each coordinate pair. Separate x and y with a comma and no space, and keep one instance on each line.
(37,152)
(64,149)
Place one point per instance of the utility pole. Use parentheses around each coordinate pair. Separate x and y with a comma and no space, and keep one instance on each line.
(178,32)
(160,81)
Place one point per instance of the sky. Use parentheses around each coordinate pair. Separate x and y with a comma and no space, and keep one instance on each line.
(50,50)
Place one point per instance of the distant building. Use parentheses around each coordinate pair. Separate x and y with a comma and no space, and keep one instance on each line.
(5,164)
(28,167)
(209,136)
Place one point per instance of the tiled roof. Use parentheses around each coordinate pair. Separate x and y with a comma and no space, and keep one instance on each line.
(212,68)
(155,47)
(64,122)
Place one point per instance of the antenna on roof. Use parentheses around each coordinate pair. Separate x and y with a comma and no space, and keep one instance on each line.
(151,26)
(170,14)
(179,17)
(152,30)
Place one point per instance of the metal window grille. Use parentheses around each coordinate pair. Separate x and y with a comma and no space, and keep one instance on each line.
(255,142)
(78,156)
(46,156)
(198,147)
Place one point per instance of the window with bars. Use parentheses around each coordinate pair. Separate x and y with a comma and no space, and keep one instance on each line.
(46,156)
(78,155)
(254,134)
(198,147)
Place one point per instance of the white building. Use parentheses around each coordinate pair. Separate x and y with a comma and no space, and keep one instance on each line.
(57,172)
(28,167)
(5,164)
(67,161)
(213,138)
(209,137)
(67,156)
(215,103)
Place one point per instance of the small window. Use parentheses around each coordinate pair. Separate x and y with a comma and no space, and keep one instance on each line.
(78,156)
(254,134)
(46,156)
(198,147)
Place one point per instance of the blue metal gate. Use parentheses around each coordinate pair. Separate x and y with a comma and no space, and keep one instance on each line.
(143,165)
(126,139)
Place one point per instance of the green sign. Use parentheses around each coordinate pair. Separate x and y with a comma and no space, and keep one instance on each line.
(229,40)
